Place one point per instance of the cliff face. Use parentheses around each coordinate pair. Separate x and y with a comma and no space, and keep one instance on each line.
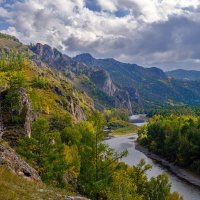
(122,100)
(103,81)
(55,59)
(22,110)
(26,109)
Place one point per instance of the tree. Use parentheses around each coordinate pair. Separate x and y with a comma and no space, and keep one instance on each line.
(46,152)
(158,188)
(18,80)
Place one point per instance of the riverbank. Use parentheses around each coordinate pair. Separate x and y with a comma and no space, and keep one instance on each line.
(128,134)
(130,128)
(118,136)
(179,172)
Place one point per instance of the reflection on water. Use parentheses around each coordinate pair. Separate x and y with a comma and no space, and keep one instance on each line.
(188,191)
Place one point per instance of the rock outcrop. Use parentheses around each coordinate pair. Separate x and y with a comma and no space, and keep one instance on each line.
(102,80)
(11,132)
(76,198)
(74,108)
(26,110)
(55,59)
(9,158)
(122,100)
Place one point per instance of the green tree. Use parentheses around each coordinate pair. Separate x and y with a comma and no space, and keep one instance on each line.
(46,152)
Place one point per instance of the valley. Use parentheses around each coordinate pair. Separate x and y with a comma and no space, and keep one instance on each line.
(54,108)
(99,100)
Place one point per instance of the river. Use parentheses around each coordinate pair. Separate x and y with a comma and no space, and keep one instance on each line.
(188,191)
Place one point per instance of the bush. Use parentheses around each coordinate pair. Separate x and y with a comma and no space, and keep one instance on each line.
(117,124)
(11,61)
(116,114)
(18,80)
(40,83)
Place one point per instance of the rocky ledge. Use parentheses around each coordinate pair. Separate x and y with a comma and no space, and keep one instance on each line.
(10,159)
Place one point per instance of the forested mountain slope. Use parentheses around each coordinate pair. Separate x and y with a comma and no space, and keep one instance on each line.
(151,86)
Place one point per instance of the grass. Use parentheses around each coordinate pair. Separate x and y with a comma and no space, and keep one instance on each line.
(125,130)
(13,187)
(11,44)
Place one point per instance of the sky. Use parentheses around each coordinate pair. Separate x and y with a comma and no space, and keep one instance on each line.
(160,33)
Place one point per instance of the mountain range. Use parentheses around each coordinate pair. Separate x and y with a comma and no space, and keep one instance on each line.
(190,75)
(113,84)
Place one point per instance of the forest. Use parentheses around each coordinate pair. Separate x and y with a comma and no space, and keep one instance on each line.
(174,110)
(176,138)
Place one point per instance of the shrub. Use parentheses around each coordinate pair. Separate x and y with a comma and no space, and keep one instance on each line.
(40,83)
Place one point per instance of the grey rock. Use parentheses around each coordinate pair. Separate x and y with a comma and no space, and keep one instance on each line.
(25,106)
(122,100)
(10,159)
(103,81)
(75,198)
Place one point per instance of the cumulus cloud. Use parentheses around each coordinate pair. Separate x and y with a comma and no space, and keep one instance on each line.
(152,32)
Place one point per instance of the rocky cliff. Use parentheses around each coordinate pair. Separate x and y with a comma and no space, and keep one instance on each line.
(103,81)
(55,59)
(116,97)
(21,108)
(10,159)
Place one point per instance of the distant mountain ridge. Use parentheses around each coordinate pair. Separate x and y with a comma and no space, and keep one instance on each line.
(152,85)
(113,84)
(191,75)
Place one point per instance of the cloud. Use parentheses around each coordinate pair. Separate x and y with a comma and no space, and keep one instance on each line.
(107,5)
(148,32)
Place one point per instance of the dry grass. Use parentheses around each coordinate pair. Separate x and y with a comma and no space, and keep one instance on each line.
(13,187)
(11,44)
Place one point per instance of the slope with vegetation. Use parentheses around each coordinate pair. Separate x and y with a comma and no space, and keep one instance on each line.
(13,187)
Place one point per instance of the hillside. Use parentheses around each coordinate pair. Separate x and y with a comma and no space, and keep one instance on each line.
(13,187)
(190,75)
(20,181)
(28,91)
